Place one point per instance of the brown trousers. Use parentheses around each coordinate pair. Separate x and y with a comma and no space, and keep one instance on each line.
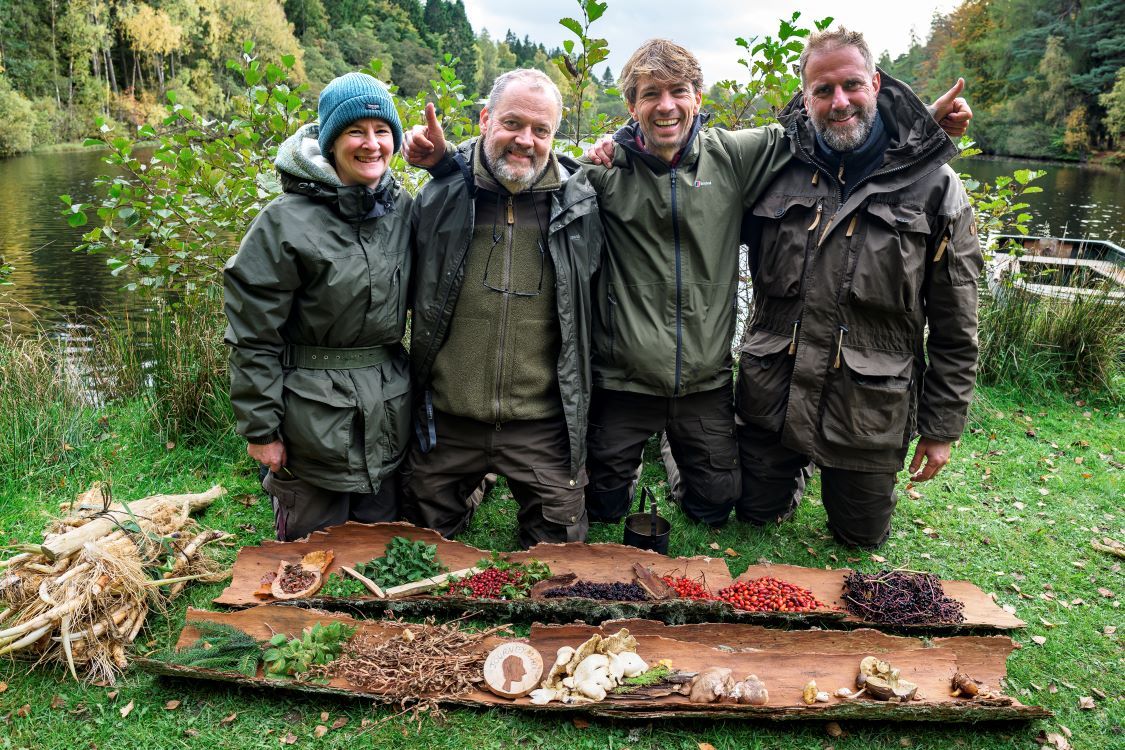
(859,504)
(534,455)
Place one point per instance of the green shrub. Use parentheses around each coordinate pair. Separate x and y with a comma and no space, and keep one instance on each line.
(18,133)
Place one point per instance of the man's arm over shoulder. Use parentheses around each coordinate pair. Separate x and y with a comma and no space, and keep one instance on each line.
(954,264)
(758,155)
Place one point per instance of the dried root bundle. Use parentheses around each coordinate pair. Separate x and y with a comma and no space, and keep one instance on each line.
(423,662)
(85,606)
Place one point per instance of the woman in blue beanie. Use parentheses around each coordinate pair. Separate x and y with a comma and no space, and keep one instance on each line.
(316,306)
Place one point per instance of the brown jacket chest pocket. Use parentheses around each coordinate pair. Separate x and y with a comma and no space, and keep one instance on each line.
(890,257)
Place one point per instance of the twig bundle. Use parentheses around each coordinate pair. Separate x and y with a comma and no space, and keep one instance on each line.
(86,607)
(901,597)
(423,662)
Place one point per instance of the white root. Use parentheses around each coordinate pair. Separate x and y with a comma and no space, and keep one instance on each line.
(138,624)
(16,559)
(51,615)
(68,652)
(82,568)
(4,615)
(114,620)
(28,639)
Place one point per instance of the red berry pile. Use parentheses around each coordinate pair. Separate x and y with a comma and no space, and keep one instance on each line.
(769,595)
(486,584)
(687,588)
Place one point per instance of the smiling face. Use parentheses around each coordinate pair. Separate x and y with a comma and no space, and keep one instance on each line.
(362,150)
(666,112)
(518,133)
(840,95)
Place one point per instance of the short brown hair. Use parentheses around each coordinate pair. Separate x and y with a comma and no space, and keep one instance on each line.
(830,40)
(665,61)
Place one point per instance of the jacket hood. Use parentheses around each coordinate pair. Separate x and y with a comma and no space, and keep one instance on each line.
(914,135)
(300,157)
(629,137)
(305,170)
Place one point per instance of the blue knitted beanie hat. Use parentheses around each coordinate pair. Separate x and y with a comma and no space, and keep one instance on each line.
(352,97)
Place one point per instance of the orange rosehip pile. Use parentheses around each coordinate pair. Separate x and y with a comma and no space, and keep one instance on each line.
(687,588)
(769,595)
(487,584)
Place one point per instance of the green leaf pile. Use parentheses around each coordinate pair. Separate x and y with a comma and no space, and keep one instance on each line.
(404,561)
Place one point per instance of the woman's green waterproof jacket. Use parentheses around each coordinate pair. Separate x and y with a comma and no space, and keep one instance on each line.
(321,279)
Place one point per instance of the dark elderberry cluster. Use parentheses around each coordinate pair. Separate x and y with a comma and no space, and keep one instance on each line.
(615,592)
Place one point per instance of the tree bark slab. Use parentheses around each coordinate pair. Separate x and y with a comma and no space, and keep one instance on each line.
(354,543)
(784,660)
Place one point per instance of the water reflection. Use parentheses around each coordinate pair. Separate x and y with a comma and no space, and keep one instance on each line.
(1084,202)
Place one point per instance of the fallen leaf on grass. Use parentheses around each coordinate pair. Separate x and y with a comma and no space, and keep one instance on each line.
(1052,739)
(289,739)
(3,686)
(126,709)
(324,716)
(833,729)
(340,722)
(320,731)
(581,723)
(1066,731)
(713,545)
(171,705)
(111,694)
(1044,491)
(23,711)
(879,558)
(191,733)
(1047,624)
(57,702)
(1086,703)
(706,746)
(247,499)
(730,552)
(1078,563)
(1038,639)
(1109,630)
(1105,592)
(228,719)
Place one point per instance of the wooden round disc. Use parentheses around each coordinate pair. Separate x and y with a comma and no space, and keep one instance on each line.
(513,669)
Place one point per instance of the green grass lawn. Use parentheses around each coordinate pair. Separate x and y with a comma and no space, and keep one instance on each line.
(1035,478)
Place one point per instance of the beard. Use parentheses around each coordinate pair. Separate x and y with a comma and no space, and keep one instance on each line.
(516,177)
(851,137)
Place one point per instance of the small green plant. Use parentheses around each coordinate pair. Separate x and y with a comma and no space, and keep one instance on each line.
(652,676)
(577,64)
(773,80)
(220,646)
(1000,207)
(317,646)
(403,561)
(342,587)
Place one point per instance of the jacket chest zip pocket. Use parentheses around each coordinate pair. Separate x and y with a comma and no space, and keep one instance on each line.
(890,257)
(788,222)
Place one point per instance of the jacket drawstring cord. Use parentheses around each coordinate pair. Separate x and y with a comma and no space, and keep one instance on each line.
(840,345)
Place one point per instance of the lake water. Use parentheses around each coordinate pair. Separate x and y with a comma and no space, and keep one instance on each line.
(62,289)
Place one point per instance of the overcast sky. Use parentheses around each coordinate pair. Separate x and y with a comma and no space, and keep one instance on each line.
(706,27)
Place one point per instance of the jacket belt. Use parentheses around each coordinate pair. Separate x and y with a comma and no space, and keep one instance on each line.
(331,358)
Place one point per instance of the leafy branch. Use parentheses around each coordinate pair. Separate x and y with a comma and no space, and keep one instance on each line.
(577,66)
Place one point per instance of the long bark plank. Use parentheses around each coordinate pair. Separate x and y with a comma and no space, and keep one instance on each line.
(354,543)
(785,664)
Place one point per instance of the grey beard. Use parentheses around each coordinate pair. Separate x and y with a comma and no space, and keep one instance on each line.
(852,138)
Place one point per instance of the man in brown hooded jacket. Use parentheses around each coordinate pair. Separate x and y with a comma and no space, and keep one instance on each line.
(864,241)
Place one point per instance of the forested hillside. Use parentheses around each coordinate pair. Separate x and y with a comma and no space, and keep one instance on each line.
(1045,76)
(65,62)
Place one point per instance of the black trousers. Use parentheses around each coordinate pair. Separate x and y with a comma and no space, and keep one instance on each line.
(700,430)
(534,455)
(859,504)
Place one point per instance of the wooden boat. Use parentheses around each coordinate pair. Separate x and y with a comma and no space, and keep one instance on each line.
(1060,268)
